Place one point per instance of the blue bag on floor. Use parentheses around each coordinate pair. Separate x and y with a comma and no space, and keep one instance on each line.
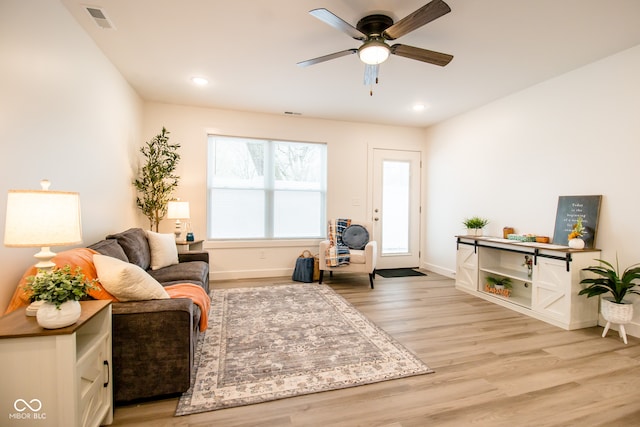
(303,271)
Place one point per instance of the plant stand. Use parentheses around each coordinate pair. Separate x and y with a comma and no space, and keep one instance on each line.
(621,331)
(619,314)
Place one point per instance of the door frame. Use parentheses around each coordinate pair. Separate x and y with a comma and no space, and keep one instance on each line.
(371,189)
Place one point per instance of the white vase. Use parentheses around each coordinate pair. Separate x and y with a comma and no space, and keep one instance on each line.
(576,244)
(49,317)
(474,232)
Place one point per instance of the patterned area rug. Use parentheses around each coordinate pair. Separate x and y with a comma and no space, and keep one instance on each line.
(268,343)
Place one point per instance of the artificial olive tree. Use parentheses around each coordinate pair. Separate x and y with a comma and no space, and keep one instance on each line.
(156,179)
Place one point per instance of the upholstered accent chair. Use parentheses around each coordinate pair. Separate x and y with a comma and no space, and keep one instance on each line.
(362,258)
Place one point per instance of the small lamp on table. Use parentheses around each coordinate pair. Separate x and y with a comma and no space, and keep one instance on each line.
(178,210)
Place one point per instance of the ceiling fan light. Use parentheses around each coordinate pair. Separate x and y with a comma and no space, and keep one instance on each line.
(374,52)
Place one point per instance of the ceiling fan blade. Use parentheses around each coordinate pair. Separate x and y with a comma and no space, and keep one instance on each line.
(336,22)
(423,55)
(327,57)
(427,13)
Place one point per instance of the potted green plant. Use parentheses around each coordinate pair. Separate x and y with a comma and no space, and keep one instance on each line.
(608,280)
(499,282)
(60,289)
(474,225)
(156,179)
(499,285)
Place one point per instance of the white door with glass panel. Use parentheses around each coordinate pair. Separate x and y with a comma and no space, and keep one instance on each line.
(396,207)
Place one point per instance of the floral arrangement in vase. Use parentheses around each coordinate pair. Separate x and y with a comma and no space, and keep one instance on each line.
(575,237)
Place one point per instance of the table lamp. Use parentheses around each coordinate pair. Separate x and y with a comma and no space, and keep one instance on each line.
(42,218)
(178,210)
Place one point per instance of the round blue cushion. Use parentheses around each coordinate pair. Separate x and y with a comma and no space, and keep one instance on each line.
(355,237)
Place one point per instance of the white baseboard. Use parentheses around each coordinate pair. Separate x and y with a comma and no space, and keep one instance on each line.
(440,270)
(250,274)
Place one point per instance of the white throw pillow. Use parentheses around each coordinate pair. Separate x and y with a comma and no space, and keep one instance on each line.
(164,251)
(126,281)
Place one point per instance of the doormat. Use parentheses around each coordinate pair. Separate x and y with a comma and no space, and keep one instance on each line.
(399,272)
(272,342)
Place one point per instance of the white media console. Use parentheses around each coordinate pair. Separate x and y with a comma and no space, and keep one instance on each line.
(549,292)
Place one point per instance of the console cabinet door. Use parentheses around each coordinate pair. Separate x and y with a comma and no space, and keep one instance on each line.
(467,268)
(551,289)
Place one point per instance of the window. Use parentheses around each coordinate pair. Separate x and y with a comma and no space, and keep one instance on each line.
(262,189)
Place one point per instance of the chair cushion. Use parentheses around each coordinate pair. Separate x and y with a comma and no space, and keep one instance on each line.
(357,257)
(355,237)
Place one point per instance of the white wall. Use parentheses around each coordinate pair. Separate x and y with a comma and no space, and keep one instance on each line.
(509,161)
(66,114)
(348,174)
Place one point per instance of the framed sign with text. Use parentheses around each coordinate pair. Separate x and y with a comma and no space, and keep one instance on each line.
(570,208)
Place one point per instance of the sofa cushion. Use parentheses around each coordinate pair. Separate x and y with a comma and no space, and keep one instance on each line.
(135,246)
(125,281)
(110,247)
(164,251)
(195,272)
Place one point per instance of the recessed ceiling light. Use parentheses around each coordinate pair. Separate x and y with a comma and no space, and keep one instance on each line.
(200,81)
(419,107)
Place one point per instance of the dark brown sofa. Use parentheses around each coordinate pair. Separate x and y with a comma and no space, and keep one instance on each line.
(154,341)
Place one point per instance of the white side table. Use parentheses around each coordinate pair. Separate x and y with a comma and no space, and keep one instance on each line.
(184,246)
(57,377)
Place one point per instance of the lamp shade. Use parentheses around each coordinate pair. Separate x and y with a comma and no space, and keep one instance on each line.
(373,52)
(42,218)
(178,210)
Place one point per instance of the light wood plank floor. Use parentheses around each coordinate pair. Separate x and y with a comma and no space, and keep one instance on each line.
(494,367)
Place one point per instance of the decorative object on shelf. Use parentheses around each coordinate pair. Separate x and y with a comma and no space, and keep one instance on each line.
(506,231)
(42,218)
(542,239)
(499,285)
(575,237)
(570,208)
(474,225)
(178,210)
(60,289)
(522,237)
(528,262)
(156,179)
(615,309)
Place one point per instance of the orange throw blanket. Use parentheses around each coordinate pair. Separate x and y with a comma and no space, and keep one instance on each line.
(197,295)
(83,258)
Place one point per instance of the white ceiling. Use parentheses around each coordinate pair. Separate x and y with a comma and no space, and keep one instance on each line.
(248,49)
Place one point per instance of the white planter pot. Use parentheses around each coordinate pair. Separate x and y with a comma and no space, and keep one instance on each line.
(474,232)
(49,317)
(576,244)
(616,313)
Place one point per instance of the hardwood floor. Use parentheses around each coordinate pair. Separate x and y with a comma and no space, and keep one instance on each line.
(494,367)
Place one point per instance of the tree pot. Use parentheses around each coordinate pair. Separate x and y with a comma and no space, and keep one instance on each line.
(49,317)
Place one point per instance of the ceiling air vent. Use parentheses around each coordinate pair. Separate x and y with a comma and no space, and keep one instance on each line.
(100,17)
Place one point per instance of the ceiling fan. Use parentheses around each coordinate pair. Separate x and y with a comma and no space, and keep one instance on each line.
(375,30)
